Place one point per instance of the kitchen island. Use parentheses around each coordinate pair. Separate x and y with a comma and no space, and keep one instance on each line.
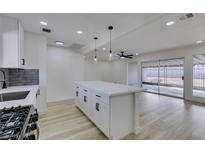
(111,107)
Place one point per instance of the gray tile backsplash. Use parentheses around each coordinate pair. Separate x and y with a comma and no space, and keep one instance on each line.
(20,77)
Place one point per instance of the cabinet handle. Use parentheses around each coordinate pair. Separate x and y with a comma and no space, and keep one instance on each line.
(85,90)
(97,106)
(85,98)
(22,61)
(76,93)
(98,96)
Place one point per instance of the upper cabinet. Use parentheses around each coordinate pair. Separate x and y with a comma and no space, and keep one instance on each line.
(11,43)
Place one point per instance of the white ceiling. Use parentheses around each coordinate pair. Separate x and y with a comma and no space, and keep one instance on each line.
(156,35)
(132,32)
(64,26)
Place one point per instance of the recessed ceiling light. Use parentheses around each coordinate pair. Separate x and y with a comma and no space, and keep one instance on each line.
(104,48)
(199,42)
(59,42)
(136,54)
(170,23)
(79,32)
(43,23)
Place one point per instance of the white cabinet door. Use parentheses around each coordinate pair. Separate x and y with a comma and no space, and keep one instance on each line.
(80,103)
(22,61)
(9,42)
(11,45)
(85,102)
(77,98)
(94,114)
(104,117)
(100,115)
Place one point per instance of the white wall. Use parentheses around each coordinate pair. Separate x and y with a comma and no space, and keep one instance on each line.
(35,58)
(32,52)
(115,71)
(186,53)
(132,74)
(119,71)
(100,71)
(64,67)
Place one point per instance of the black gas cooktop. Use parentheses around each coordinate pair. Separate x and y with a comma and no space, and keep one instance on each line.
(17,123)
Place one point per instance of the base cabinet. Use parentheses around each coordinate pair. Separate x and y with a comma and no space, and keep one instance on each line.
(111,115)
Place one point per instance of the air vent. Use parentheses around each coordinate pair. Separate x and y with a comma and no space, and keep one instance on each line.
(46,30)
(76,46)
(186,16)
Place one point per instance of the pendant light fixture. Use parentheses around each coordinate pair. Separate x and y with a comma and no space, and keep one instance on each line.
(110,28)
(95,58)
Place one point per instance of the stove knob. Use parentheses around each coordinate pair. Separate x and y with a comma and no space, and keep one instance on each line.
(33,127)
(31,137)
(36,115)
(33,118)
(25,138)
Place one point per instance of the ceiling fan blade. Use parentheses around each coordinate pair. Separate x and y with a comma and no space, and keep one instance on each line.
(130,55)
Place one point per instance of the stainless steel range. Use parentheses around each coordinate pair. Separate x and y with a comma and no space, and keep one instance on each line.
(19,123)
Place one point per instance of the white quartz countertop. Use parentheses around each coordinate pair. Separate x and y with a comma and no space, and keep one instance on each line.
(29,100)
(109,88)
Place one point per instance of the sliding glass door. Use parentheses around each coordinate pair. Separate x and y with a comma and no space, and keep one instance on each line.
(150,73)
(171,76)
(164,77)
(199,75)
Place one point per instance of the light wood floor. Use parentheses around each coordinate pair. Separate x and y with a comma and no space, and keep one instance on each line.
(161,117)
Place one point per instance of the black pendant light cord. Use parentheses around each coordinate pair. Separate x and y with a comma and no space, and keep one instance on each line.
(95,38)
(110,28)
(110,42)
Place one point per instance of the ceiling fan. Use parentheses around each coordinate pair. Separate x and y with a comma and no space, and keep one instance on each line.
(122,55)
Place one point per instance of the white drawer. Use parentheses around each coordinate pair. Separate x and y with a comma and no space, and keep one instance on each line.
(101,97)
(84,90)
